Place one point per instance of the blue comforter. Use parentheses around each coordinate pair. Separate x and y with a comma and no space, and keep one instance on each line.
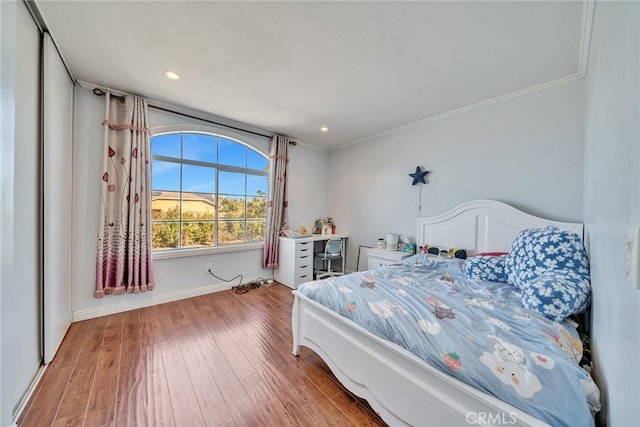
(476,331)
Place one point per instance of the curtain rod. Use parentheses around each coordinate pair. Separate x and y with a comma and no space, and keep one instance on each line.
(101,92)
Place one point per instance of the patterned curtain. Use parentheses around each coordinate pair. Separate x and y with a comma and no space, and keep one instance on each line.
(124,242)
(277,204)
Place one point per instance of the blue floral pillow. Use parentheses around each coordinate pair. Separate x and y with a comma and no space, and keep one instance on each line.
(538,250)
(557,294)
(551,268)
(489,268)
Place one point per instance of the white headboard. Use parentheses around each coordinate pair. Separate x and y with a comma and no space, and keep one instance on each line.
(482,226)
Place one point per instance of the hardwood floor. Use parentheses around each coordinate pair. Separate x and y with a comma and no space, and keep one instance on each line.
(222,359)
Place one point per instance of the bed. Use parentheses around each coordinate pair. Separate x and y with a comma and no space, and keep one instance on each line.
(406,387)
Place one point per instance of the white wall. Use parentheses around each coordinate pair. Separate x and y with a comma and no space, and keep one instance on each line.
(526,151)
(20,352)
(308,186)
(175,277)
(612,205)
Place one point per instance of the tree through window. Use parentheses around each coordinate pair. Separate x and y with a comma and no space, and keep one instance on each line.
(208,190)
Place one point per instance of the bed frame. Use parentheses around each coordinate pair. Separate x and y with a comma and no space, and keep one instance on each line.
(402,388)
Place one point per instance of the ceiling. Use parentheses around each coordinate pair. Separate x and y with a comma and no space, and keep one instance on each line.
(359,68)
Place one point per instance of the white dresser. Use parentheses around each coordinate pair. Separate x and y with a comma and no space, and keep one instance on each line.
(295,262)
(381,257)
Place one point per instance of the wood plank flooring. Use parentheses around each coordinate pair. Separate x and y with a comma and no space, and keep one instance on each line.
(222,359)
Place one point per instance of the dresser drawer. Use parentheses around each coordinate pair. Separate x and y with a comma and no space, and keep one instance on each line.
(382,257)
(303,259)
(304,262)
(304,248)
(375,262)
(304,273)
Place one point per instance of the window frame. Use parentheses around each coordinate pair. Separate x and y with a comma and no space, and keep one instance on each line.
(220,133)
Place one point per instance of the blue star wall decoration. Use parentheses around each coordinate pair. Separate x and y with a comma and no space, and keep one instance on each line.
(418,176)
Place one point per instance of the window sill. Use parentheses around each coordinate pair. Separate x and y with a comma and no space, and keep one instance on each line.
(181,253)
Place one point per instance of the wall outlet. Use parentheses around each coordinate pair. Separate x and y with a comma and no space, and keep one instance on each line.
(209,267)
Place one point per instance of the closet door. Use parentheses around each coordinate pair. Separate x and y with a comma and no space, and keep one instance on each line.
(57,196)
(20,207)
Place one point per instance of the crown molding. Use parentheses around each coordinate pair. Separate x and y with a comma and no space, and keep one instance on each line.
(587,26)
(466,108)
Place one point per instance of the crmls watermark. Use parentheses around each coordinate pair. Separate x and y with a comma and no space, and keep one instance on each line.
(491,418)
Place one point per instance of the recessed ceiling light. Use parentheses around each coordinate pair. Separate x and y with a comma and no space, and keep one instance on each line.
(324,129)
(172,75)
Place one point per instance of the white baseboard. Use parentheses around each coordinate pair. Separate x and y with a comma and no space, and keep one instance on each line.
(92,313)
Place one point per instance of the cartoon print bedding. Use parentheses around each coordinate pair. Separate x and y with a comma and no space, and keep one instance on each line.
(476,331)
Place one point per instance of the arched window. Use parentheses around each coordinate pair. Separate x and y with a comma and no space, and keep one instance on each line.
(208,190)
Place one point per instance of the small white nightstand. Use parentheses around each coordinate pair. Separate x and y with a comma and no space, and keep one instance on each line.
(381,257)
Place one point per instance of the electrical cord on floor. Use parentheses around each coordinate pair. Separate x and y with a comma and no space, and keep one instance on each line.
(239,288)
(242,288)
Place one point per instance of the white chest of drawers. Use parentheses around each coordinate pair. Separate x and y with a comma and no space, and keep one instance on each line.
(295,262)
(381,257)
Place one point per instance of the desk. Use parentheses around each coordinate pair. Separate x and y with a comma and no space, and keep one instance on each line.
(297,257)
